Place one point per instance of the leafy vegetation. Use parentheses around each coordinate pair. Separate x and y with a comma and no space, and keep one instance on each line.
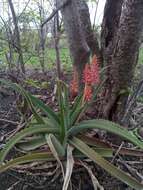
(40,43)
(32,61)
(62,132)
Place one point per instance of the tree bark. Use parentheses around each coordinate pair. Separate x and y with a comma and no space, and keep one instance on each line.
(82,41)
(42,49)
(121,34)
(79,48)
(10,54)
(17,37)
(89,34)
(56,35)
(42,36)
(110,25)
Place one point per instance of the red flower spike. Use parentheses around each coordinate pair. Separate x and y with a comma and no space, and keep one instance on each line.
(95,71)
(91,72)
(90,78)
(95,74)
(87,93)
(87,76)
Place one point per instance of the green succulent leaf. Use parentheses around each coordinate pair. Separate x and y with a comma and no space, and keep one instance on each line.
(30,104)
(108,126)
(76,109)
(19,89)
(62,101)
(54,142)
(105,152)
(76,114)
(95,143)
(33,103)
(66,103)
(90,153)
(32,144)
(45,108)
(56,149)
(25,132)
(69,167)
(33,157)
(77,103)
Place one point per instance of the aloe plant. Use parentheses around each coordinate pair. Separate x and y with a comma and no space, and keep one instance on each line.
(62,130)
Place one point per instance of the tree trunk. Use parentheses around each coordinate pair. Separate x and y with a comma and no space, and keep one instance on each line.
(79,48)
(82,40)
(17,36)
(89,34)
(42,36)
(10,54)
(121,34)
(110,25)
(56,35)
(42,49)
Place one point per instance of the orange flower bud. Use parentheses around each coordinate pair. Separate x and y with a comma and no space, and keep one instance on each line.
(95,71)
(87,76)
(87,93)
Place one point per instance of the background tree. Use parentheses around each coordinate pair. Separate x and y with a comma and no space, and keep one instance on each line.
(56,36)
(17,37)
(42,34)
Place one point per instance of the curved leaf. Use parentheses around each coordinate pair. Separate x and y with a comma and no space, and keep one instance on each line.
(33,101)
(64,112)
(33,157)
(25,132)
(108,126)
(21,90)
(113,170)
(46,109)
(76,109)
(53,141)
(32,144)
(56,149)
(69,167)
(105,152)
(96,142)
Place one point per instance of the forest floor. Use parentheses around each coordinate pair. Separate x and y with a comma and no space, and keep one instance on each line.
(47,176)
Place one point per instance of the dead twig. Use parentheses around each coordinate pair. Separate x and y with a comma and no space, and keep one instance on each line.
(12,133)
(132,170)
(117,152)
(9,121)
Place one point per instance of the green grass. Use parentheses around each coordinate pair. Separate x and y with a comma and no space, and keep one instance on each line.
(50,59)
